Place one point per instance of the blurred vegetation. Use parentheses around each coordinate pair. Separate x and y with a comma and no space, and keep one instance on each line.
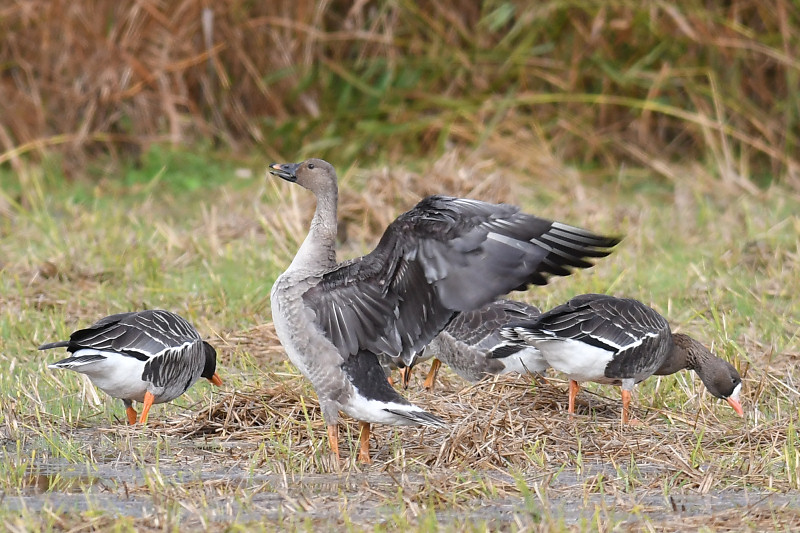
(604,85)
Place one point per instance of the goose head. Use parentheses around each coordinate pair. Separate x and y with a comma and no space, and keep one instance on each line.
(210,368)
(316,175)
(722,381)
(719,376)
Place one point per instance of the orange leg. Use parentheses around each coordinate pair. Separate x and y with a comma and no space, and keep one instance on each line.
(363,448)
(405,376)
(626,402)
(147,404)
(333,439)
(132,415)
(390,380)
(574,387)
(430,380)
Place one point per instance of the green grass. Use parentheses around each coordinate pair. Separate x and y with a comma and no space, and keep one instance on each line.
(720,265)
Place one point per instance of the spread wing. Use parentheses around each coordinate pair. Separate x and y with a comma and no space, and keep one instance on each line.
(444,256)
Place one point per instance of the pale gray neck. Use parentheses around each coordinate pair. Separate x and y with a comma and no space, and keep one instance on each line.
(318,251)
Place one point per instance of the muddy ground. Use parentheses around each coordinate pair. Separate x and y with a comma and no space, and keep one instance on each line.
(193,471)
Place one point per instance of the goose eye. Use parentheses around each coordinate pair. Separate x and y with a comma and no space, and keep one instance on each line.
(310,166)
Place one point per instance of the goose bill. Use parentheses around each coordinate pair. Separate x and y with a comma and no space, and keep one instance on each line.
(287,171)
(733,400)
(736,406)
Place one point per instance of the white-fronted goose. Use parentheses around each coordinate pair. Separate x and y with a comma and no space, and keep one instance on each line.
(149,356)
(472,345)
(443,256)
(620,341)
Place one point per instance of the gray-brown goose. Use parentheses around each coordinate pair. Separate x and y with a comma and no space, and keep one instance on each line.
(150,356)
(474,348)
(443,256)
(621,341)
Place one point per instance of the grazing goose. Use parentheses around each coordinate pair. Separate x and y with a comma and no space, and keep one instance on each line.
(472,345)
(443,256)
(149,356)
(594,337)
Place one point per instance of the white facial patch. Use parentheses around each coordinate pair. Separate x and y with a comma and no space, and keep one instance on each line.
(736,391)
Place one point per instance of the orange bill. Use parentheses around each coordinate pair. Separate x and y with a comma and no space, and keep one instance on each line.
(733,402)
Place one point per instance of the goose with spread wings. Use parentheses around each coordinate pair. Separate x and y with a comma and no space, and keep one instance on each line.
(443,256)
(150,356)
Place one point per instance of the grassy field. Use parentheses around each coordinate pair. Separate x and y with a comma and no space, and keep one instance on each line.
(206,237)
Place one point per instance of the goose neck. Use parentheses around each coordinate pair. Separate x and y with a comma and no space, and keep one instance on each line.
(318,250)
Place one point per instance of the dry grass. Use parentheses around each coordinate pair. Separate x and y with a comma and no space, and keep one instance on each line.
(255,453)
(507,422)
(506,438)
(634,84)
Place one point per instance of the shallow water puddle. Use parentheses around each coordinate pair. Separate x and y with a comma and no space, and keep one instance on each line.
(125,477)
(59,483)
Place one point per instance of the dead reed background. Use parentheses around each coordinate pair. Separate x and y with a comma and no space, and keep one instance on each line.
(636,83)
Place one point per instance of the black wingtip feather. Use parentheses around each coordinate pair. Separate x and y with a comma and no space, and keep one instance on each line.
(569,247)
(51,345)
(422,418)
(504,350)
